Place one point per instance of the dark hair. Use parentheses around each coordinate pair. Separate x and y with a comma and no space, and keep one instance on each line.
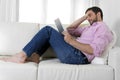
(95,9)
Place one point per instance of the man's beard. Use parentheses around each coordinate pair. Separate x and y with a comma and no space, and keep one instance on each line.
(95,20)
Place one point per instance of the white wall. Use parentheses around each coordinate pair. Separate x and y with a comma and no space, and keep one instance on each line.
(112,15)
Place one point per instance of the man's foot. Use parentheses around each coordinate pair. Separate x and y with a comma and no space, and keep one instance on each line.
(34,58)
(17,58)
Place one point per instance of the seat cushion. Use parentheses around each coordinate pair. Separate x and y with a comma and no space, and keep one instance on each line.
(15,71)
(55,70)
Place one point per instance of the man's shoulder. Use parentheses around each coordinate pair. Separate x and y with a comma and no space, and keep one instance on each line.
(102,24)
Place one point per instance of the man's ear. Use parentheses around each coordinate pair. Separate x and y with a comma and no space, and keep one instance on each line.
(99,16)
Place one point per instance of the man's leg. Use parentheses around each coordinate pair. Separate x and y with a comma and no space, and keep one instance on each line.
(35,57)
(17,58)
(65,52)
(39,43)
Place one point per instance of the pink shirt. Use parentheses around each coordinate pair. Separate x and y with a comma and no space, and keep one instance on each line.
(97,35)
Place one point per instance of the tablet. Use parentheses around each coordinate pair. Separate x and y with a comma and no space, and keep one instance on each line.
(59,25)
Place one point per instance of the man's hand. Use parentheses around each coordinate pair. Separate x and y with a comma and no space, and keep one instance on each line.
(80,46)
(86,15)
(76,23)
(67,37)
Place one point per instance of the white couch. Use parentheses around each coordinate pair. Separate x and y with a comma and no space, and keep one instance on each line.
(14,36)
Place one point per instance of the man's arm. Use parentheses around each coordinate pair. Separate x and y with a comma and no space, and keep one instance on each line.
(80,46)
(76,23)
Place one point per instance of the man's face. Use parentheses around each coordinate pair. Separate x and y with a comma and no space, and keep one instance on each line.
(92,17)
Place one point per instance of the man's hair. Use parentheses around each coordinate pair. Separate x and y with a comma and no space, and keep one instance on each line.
(95,9)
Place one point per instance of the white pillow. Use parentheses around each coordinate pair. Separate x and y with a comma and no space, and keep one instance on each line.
(98,60)
(104,58)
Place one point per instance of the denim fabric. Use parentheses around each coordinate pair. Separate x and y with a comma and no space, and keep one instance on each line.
(48,36)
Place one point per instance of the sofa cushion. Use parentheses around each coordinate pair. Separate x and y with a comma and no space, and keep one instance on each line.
(14,71)
(55,70)
(14,36)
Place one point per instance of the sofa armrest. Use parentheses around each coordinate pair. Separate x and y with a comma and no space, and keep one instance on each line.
(113,61)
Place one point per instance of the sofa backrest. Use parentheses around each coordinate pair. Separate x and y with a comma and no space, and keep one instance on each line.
(14,36)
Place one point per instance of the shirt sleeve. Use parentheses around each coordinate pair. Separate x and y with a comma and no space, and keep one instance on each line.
(101,39)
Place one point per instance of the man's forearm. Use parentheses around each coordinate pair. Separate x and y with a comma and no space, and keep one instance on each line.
(76,23)
(82,47)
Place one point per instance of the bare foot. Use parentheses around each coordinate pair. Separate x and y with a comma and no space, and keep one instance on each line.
(34,58)
(17,58)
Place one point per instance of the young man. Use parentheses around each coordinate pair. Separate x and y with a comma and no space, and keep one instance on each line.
(79,45)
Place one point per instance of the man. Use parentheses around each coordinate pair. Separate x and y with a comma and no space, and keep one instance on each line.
(79,45)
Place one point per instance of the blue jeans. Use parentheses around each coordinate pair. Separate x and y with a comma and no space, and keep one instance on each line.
(48,36)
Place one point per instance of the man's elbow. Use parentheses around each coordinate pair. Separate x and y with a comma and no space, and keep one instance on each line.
(90,51)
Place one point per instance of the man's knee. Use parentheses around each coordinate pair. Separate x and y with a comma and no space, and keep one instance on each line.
(48,27)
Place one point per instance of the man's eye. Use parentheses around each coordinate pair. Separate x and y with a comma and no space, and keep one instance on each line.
(89,15)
